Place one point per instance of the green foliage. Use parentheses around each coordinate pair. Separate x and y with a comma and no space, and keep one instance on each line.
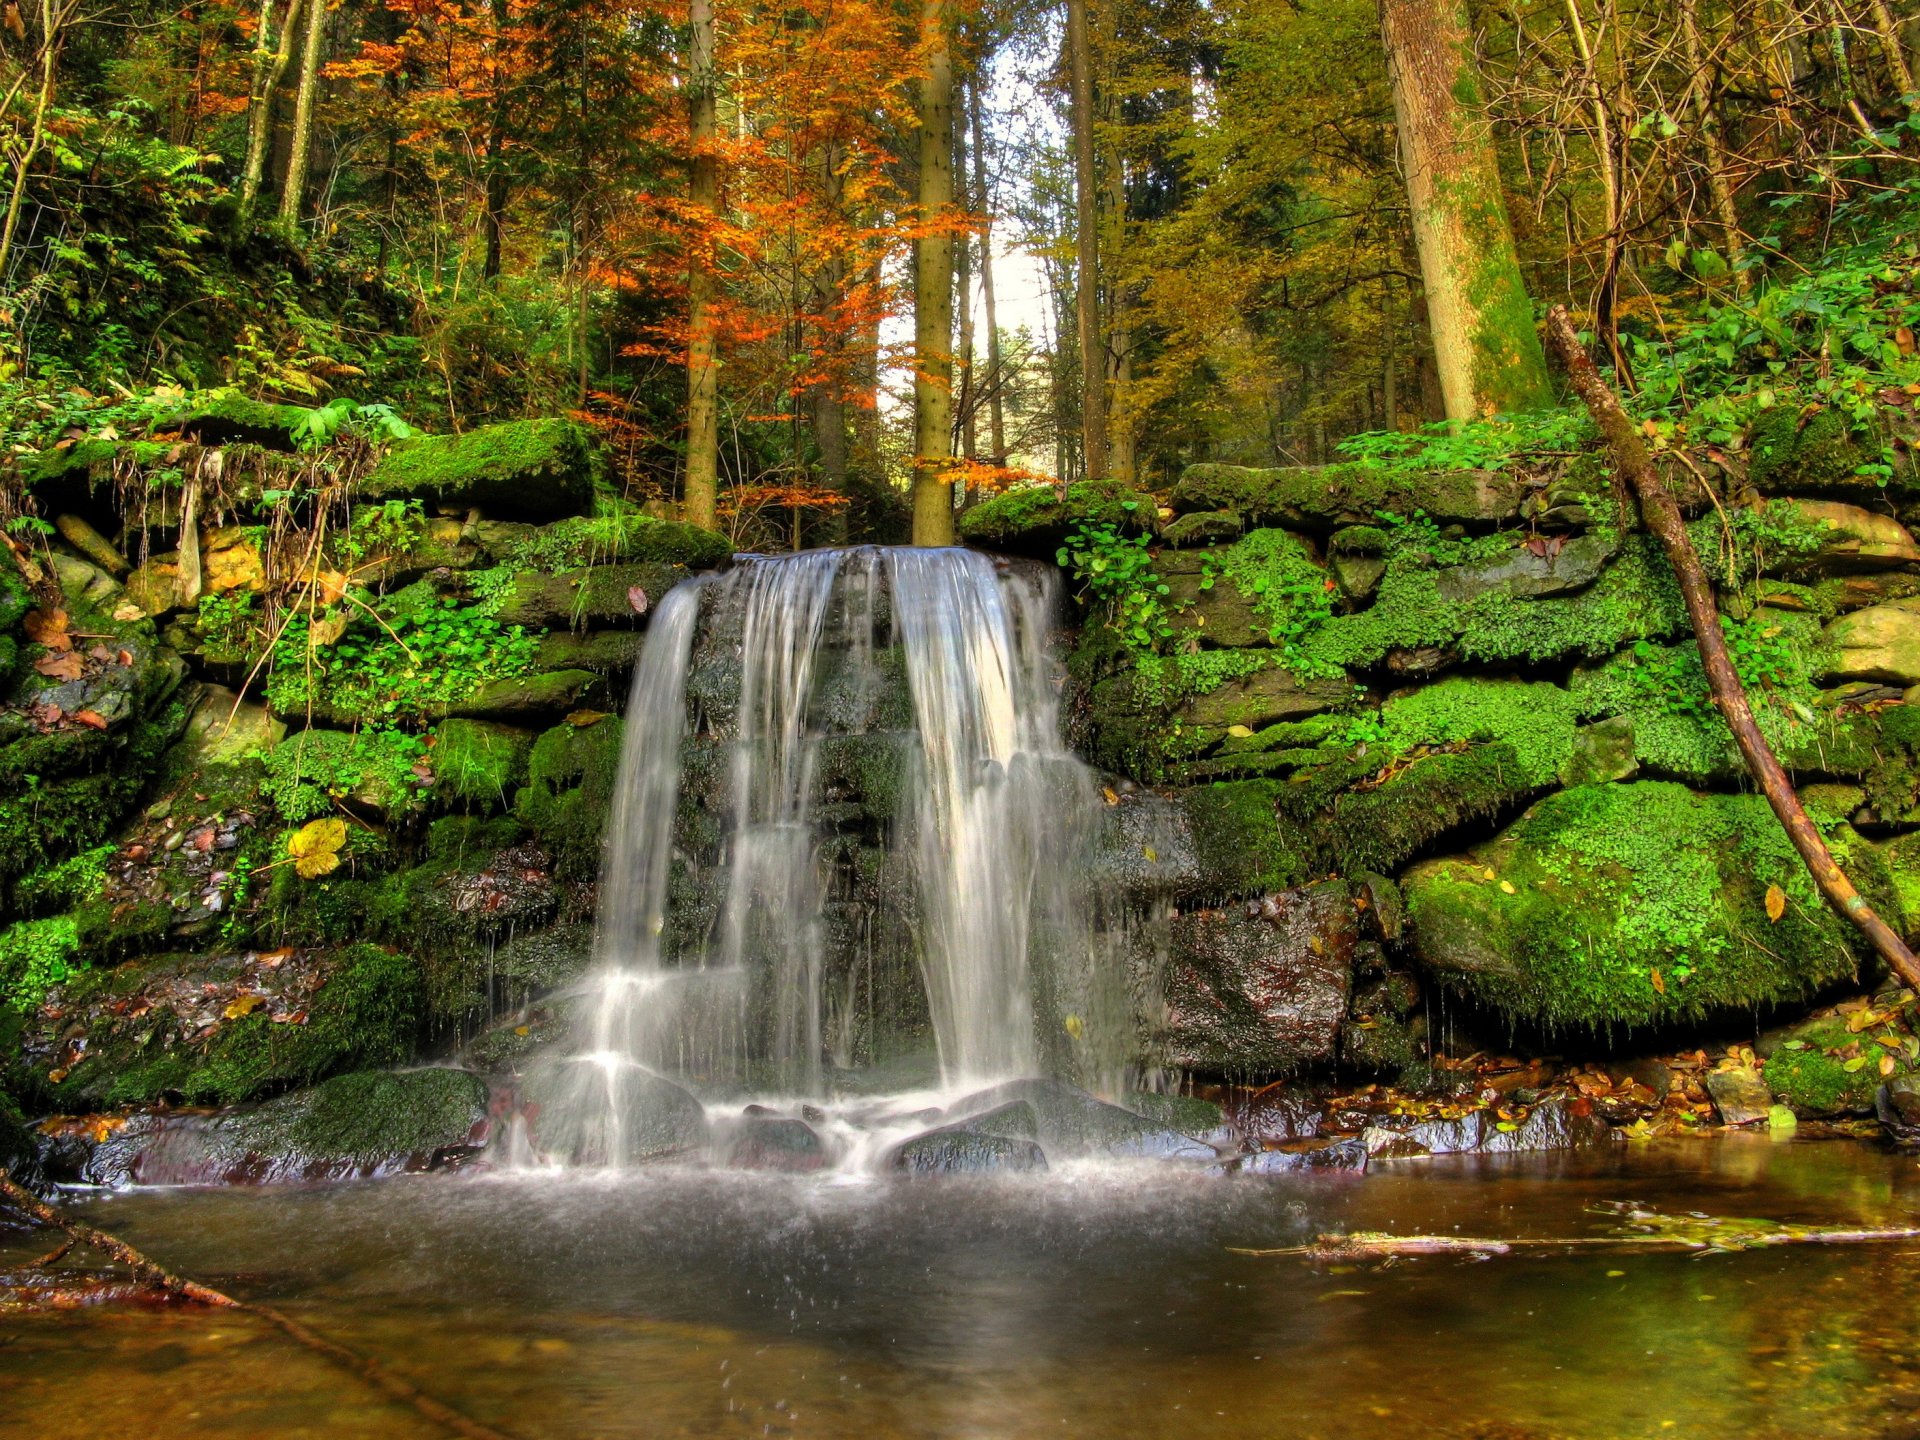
(35,956)
(617,534)
(1536,720)
(385,527)
(1164,681)
(1115,571)
(428,652)
(568,796)
(1826,1069)
(369,1117)
(310,774)
(1288,590)
(65,883)
(1494,444)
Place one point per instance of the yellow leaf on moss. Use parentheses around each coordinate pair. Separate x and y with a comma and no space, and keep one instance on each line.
(1776,902)
(315,847)
(245,1004)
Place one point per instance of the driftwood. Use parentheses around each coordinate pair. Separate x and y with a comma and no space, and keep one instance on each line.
(1642,1230)
(159,1282)
(1663,518)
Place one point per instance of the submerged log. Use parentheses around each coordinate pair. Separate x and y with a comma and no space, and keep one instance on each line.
(1663,518)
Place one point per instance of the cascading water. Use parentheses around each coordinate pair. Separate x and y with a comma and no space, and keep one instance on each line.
(749,925)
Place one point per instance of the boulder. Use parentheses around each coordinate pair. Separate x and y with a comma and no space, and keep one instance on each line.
(598,596)
(1852,539)
(1529,570)
(525,469)
(1740,1096)
(1070,1122)
(1261,987)
(1262,698)
(1630,904)
(1820,1069)
(1881,642)
(530,698)
(1037,519)
(774,1142)
(582,1114)
(1335,1156)
(955,1150)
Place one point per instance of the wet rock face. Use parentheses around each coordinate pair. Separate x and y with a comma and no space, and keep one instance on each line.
(766,1141)
(1069,1122)
(1555,1124)
(1261,987)
(959,1150)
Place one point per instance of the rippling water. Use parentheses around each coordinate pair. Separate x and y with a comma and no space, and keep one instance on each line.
(1091,1303)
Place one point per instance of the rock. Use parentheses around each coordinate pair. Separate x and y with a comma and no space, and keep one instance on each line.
(1349,1155)
(19,1154)
(580,1114)
(1631,904)
(1740,1096)
(1037,519)
(1529,572)
(1357,491)
(1853,539)
(1554,1124)
(1188,1115)
(154,586)
(1790,452)
(478,762)
(541,960)
(775,1142)
(1204,527)
(1806,1068)
(226,417)
(226,730)
(599,540)
(1014,1120)
(1262,698)
(1602,751)
(605,652)
(530,697)
(955,1150)
(1145,847)
(1277,1114)
(1897,1104)
(1650,1074)
(525,469)
(1358,575)
(1261,987)
(230,560)
(91,543)
(610,596)
(1072,1122)
(1881,642)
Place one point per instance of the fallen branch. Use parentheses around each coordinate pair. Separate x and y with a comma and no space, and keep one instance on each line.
(156,1277)
(1663,518)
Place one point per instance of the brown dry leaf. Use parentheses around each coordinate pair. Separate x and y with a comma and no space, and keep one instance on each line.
(580,719)
(1776,903)
(60,665)
(48,628)
(1659,983)
(331,584)
(1886,1065)
(92,719)
(1903,337)
(637,599)
(322,633)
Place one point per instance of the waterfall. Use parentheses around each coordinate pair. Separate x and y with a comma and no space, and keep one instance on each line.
(725,961)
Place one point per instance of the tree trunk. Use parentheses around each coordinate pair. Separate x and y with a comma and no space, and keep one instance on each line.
(933,288)
(1706,120)
(1122,460)
(496,143)
(1482,322)
(703,362)
(52,22)
(269,69)
(963,290)
(1086,194)
(983,200)
(293,190)
(1662,515)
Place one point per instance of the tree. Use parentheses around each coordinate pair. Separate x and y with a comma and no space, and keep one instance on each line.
(1484,338)
(306,103)
(933,287)
(703,362)
(1086,196)
(270,61)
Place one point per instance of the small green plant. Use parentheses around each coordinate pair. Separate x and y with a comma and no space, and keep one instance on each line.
(309,774)
(35,956)
(390,527)
(1289,592)
(1117,572)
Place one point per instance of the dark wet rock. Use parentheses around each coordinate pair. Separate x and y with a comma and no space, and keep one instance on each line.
(1261,987)
(1277,1114)
(1554,1124)
(955,1149)
(1740,1097)
(1651,1074)
(766,1141)
(1337,1155)
(542,960)
(1897,1104)
(578,1114)
(1072,1122)
(1540,568)
(1015,1120)
(1189,1115)
(19,1152)
(1145,847)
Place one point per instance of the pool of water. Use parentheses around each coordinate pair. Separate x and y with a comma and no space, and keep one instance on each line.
(1093,1303)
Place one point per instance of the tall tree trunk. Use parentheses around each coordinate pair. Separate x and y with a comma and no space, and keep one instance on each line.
(270,61)
(829,405)
(1122,462)
(496,143)
(1895,53)
(1086,196)
(1482,323)
(52,22)
(1706,119)
(983,200)
(1614,239)
(703,362)
(969,400)
(933,288)
(293,190)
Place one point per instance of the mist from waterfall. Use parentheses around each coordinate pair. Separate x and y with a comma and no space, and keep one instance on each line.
(992,824)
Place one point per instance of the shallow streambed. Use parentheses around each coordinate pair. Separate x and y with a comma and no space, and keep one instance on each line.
(1096,1303)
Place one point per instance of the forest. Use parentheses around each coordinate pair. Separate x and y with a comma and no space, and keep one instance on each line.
(961,717)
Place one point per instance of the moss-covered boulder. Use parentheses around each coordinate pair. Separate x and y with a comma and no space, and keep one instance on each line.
(1790,451)
(1881,643)
(525,469)
(1035,519)
(1357,491)
(571,776)
(1821,1067)
(606,539)
(226,417)
(597,596)
(1634,904)
(478,763)
(221,1028)
(532,699)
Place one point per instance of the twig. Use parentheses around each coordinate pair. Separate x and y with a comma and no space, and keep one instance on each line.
(1373,1245)
(370,1371)
(1663,518)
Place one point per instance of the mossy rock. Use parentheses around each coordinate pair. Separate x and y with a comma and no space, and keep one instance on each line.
(604,596)
(583,540)
(311,771)
(1355,491)
(1634,904)
(1820,1068)
(221,1029)
(531,698)
(605,652)
(478,763)
(1035,519)
(1823,454)
(226,417)
(525,469)
(370,1121)
(571,779)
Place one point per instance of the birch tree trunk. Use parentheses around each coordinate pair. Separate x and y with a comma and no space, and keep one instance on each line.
(933,288)
(293,190)
(703,364)
(270,61)
(1484,340)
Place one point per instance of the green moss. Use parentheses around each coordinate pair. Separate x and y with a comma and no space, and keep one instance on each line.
(368,1117)
(478,763)
(568,796)
(309,774)
(535,469)
(1034,519)
(622,535)
(1357,489)
(1822,454)
(220,417)
(1629,904)
(1536,720)
(35,956)
(1288,591)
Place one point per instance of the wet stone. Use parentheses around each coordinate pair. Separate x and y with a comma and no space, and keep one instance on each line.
(1339,1155)
(763,1140)
(958,1150)
(1740,1097)
(1278,1114)
(1072,1122)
